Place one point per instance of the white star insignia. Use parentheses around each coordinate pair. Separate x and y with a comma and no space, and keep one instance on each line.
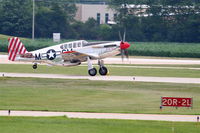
(51,54)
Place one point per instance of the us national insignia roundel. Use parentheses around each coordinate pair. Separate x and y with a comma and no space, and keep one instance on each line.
(51,54)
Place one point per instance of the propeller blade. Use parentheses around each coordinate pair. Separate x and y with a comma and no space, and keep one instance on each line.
(124,37)
(122,54)
(126,54)
(120,37)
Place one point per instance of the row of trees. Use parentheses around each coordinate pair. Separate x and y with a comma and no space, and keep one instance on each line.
(162,20)
(16,18)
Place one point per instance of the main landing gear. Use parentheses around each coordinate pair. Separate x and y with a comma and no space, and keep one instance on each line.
(93,71)
(102,69)
(35,66)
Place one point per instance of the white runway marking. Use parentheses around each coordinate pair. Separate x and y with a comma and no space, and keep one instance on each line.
(107,78)
(159,117)
(152,61)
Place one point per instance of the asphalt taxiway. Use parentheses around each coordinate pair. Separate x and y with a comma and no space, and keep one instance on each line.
(159,117)
(106,78)
(118,60)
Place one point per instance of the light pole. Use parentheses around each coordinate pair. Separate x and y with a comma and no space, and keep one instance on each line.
(33,23)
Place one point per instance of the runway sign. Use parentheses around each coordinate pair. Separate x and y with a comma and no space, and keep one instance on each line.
(176,102)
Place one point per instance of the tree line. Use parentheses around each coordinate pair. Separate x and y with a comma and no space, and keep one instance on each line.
(161,20)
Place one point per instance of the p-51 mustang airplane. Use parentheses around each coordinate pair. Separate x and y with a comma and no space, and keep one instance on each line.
(69,53)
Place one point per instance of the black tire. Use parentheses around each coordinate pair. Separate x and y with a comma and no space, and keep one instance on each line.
(92,72)
(103,71)
(35,66)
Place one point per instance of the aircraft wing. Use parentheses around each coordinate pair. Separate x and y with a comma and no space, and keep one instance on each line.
(80,55)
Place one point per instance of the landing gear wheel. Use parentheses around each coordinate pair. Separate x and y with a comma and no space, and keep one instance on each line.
(92,72)
(103,71)
(35,66)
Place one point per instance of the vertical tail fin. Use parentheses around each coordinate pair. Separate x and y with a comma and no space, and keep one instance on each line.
(15,47)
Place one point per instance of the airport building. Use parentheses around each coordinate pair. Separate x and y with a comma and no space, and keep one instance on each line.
(101,12)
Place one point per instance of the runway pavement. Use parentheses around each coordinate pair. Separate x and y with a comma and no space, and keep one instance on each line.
(117,60)
(152,61)
(107,78)
(159,117)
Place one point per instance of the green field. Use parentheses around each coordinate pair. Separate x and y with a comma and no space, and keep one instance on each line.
(165,49)
(93,96)
(161,49)
(121,71)
(65,125)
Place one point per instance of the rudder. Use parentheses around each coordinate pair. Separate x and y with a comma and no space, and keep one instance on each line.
(15,47)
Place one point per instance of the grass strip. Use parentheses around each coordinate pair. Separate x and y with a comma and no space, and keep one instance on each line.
(93,96)
(62,124)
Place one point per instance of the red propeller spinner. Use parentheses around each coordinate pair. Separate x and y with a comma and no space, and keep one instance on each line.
(124,45)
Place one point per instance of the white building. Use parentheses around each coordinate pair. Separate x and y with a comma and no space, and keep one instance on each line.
(102,13)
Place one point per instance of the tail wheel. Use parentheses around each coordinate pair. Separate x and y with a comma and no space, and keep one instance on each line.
(103,71)
(35,66)
(92,72)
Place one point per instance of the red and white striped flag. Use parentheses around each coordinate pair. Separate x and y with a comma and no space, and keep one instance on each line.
(15,48)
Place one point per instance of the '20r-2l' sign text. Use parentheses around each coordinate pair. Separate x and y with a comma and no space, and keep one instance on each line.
(176,101)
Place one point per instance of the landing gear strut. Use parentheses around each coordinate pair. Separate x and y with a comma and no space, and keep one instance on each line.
(35,66)
(91,70)
(102,70)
